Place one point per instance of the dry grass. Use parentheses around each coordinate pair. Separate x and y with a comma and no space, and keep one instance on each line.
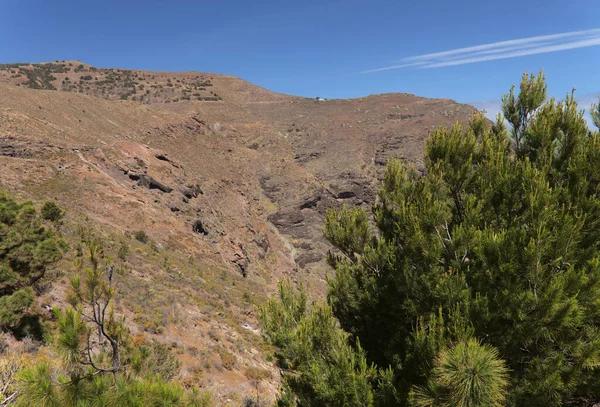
(254,154)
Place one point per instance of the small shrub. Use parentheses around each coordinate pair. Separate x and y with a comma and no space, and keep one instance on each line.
(123,252)
(229,360)
(155,358)
(141,236)
(51,211)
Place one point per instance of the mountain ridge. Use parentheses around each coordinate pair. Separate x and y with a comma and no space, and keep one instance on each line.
(231,189)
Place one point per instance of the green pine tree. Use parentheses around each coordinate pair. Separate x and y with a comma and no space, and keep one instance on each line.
(477,280)
(27,249)
(500,233)
(321,367)
(98,365)
(466,375)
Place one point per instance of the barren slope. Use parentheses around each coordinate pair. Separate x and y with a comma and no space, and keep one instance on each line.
(231,188)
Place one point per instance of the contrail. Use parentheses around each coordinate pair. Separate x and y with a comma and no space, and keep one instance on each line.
(500,50)
(521,53)
(387,68)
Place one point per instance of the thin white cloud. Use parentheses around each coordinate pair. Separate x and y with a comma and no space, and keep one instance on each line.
(521,53)
(518,42)
(500,50)
(387,68)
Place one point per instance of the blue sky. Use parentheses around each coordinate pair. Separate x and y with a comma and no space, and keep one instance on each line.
(321,47)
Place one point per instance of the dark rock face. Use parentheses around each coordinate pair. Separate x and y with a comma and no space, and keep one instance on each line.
(354,188)
(346,195)
(192,191)
(311,203)
(241,261)
(262,241)
(286,218)
(306,258)
(269,187)
(198,227)
(11,146)
(146,181)
(306,246)
(163,157)
(10,150)
(304,158)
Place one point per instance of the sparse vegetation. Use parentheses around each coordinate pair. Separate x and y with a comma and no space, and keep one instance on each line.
(109,83)
(95,346)
(227,358)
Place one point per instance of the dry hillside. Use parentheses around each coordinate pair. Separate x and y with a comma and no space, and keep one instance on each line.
(229,181)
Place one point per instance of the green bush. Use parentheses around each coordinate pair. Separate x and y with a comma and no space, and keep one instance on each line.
(27,249)
(50,211)
(141,236)
(14,306)
(123,251)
